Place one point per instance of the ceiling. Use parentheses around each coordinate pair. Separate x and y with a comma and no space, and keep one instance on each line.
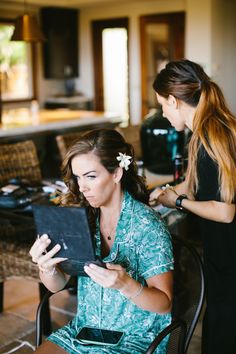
(65,3)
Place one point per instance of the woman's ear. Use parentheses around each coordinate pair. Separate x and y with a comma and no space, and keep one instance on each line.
(118,173)
(172,101)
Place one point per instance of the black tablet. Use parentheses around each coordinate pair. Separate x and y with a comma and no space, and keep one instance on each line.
(69,227)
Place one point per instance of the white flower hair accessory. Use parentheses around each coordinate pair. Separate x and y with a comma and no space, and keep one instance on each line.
(125,160)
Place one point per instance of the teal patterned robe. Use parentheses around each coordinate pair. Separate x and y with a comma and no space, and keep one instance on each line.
(143,247)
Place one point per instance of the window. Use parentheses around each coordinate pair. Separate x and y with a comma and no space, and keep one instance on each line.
(110,53)
(15,66)
(115,70)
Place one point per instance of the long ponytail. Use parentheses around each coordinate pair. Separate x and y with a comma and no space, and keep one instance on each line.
(214,126)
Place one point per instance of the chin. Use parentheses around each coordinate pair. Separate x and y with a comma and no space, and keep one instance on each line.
(93,204)
(179,129)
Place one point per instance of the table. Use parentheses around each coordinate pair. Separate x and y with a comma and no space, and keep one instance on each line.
(21,121)
(42,127)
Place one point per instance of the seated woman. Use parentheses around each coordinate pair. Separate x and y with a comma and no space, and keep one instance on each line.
(133,294)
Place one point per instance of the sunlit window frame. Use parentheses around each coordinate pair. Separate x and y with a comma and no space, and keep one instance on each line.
(31,57)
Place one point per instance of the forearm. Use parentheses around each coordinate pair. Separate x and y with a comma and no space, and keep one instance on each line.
(211,210)
(54,281)
(182,188)
(149,298)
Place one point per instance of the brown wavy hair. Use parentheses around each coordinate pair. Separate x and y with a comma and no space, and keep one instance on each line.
(214,126)
(106,144)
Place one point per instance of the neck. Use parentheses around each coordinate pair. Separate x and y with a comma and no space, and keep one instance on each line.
(109,216)
(190,117)
(188,112)
(113,208)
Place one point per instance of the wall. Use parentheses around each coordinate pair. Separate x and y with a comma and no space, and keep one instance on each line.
(210,41)
(224,48)
(198,32)
(210,32)
(133,11)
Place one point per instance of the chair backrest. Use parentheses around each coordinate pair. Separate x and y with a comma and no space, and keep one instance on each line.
(66,140)
(189,287)
(19,160)
(132,136)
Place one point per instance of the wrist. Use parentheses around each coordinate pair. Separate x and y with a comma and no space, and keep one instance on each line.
(48,271)
(179,201)
(132,292)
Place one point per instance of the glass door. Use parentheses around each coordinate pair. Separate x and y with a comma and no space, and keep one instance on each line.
(162,40)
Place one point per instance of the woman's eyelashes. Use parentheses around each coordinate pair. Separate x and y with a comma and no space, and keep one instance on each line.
(89,177)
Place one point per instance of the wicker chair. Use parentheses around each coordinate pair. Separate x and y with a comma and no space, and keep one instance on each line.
(66,140)
(17,230)
(19,160)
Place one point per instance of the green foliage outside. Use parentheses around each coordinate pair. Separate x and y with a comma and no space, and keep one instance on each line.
(11,53)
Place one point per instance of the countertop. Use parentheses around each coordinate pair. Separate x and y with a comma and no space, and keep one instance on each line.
(21,121)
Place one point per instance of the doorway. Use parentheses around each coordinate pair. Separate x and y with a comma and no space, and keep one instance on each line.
(110,53)
(162,40)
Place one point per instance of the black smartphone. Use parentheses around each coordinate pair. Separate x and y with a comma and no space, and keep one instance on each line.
(89,335)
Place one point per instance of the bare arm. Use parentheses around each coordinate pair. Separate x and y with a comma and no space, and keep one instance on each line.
(181,188)
(211,210)
(156,297)
(52,277)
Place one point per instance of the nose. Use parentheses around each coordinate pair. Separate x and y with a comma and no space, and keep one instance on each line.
(82,186)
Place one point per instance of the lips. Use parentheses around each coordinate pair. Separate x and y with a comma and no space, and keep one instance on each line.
(88,197)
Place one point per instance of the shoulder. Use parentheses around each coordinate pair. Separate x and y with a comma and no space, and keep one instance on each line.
(149,222)
(145,212)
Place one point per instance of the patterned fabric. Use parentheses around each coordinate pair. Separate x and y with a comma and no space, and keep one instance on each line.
(142,245)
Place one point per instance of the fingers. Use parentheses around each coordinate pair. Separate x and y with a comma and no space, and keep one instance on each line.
(93,269)
(153,198)
(39,247)
(44,258)
(95,274)
(114,266)
(49,264)
(108,278)
(168,197)
(40,255)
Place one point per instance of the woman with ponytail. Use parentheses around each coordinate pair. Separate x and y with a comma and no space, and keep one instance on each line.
(189,98)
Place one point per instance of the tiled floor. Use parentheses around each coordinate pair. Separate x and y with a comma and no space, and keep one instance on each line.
(21,299)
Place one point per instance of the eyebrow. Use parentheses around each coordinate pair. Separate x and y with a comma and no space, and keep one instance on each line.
(85,174)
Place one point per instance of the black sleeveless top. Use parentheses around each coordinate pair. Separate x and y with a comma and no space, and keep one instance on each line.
(219,239)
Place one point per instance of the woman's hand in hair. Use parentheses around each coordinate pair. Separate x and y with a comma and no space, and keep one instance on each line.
(168,197)
(165,196)
(154,196)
